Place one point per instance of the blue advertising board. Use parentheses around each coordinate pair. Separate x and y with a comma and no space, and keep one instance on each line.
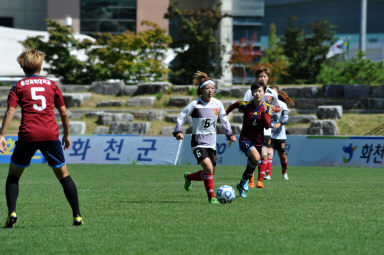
(160,150)
(304,150)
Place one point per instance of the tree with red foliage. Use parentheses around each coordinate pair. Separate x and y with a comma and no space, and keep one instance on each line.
(244,56)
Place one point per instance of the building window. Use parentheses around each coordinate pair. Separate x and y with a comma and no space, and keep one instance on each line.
(6,21)
(113,16)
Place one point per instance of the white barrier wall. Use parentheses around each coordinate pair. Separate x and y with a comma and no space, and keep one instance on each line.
(158,150)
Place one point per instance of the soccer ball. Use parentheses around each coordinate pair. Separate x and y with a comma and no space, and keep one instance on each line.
(225,194)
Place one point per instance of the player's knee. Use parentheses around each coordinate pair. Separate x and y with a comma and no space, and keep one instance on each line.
(61,172)
(263,156)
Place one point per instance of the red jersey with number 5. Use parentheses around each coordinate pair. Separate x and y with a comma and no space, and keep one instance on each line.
(37,97)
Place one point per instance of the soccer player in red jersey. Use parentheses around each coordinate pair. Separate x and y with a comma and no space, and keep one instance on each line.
(262,74)
(257,116)
(37,97)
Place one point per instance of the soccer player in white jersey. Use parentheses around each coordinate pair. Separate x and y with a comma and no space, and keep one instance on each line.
(279,119)
(205,111)
(271,97)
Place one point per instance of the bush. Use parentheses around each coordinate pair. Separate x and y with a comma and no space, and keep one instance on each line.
(354,71)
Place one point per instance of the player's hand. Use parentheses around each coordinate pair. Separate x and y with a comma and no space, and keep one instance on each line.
(277,125)
(232,139)
(180,136)
(66,142)
(3,144)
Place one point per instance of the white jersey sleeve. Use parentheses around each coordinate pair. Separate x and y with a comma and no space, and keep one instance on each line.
(280,117)
(224,120)
(183,116)
(248,96)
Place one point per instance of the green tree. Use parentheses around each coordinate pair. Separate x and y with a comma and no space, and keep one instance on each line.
(59,50)
(274,57)
(357,70)
(130,57)
(306,51)
(196,28)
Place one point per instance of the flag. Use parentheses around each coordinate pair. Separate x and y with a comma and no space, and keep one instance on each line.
(338,47)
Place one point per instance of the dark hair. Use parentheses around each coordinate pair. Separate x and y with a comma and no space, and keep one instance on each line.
(283,96)
(257,84)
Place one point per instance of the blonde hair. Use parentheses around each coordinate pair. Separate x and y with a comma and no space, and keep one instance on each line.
(198,78)
(31,61)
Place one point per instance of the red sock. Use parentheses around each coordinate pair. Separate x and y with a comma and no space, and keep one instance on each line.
(196,176)
(269,167)
(208,183)
(262,167)
(284,166)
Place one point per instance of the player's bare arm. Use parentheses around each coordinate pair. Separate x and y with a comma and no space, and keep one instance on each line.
(65,121)
(8,116)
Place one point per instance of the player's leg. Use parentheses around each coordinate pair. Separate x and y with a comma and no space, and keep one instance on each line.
(283,159)
(20,159)
(208,171)
(253,159)
(195,176)
(263,151)
(284,164)
(70,191)
(12,193)
(268,170)
(54,154)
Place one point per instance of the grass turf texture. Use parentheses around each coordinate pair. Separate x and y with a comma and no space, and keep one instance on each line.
(131,209)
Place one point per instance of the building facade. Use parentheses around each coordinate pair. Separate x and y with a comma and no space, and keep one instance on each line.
(344,14)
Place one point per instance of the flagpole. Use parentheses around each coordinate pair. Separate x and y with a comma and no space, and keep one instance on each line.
(363,27)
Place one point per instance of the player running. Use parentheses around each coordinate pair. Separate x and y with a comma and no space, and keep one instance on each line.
(205,110)
(271,97)
(279,119)
(257,117)
(37,97)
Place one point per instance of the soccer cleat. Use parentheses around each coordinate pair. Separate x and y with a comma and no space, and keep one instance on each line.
(188,183)
(252,182)
(246,186)
(268,177)
(285,176)
(11,220)
(78,221)
(213,201)
(241,190)
(259,185)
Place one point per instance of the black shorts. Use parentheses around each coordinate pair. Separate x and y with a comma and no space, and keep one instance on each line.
(278,144)
(267,141)
(202,153)
(24,151)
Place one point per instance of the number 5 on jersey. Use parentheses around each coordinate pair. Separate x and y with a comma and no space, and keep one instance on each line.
(38,97)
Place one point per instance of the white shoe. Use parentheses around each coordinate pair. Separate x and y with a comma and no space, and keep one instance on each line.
(268,177)
(285,177)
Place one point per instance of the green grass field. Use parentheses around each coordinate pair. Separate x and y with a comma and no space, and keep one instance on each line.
(130,209)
